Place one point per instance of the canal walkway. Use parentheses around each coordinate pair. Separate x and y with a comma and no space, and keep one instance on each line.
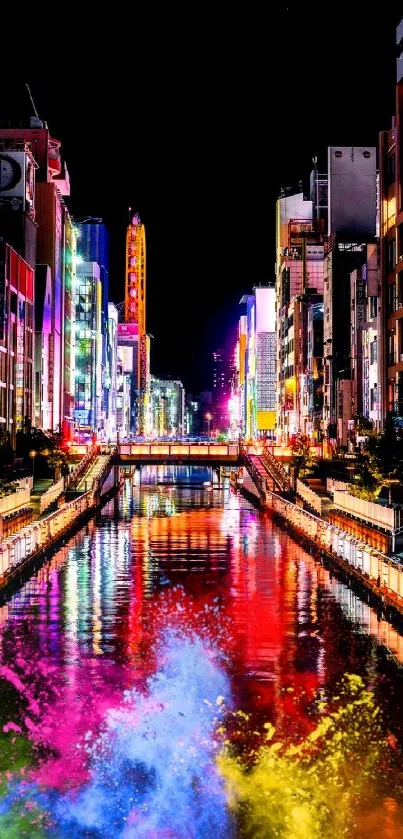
(376,571)
(20,551)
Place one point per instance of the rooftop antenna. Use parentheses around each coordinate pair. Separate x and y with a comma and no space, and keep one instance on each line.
(129,211)
(32,101)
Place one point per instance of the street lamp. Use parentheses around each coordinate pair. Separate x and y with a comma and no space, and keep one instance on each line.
(208,418)
(33,454)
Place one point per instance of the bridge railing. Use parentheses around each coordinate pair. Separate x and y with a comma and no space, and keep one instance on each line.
(186,450)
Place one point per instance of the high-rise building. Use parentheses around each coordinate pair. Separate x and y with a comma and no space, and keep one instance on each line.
(110,374)
(17,287)
(93,246)
(254,397)
(221,389)
(52,249)
(299,286)
(135,315)
(167,399)
(391,248)
(350,240)
(88,362)
(266,343)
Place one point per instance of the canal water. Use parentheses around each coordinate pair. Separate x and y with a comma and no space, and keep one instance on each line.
(182,668)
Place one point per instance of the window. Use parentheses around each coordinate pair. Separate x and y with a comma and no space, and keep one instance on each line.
(373,307)
(390,170)
(373,351)
(391,254)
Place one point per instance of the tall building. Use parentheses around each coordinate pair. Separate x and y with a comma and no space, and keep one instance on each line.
(254,398)
(51,189)
(391,247)
(110,373)
(88,363)
(299,287)
(350,241)
(17,287)
(128,350)
(167,399)
(135,315)
(221,390)
(265,297)
(93,246)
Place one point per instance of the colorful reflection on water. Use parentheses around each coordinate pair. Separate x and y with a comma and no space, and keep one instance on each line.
(182,668)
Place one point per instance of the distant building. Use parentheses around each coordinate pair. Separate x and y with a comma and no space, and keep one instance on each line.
(88,389)
(110,373)
(254,396)
(167,401)
(299,286)
(123,393)
(93,246)
(193,416)
(349,249)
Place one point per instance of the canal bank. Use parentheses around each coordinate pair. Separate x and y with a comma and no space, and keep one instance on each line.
(23,552)
(379,574)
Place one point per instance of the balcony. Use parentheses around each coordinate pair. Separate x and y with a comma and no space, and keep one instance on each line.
(391,359)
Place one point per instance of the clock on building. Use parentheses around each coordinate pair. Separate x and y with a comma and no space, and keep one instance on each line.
(10,173)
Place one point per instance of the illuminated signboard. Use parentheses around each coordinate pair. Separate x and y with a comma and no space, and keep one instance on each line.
(128,331)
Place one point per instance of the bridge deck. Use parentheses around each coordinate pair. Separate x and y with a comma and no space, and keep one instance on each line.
(178,453)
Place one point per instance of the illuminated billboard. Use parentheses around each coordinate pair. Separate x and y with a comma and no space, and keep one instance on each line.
(265,309)
(128,332)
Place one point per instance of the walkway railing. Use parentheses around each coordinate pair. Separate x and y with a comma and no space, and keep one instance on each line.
(273,468)
(276,470)
(75,476)
(383,572)
(309,496)
(145,451)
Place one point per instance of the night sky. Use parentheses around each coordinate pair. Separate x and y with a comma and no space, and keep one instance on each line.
(196,120)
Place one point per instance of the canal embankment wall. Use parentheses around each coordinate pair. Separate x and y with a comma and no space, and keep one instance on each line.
(381,574)
(26,549)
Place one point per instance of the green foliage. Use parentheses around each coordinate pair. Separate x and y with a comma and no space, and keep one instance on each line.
(56,460)
(380,465)
(303,460)
(7,487)
(6,450)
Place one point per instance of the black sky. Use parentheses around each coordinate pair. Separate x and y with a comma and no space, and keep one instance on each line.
(195,119)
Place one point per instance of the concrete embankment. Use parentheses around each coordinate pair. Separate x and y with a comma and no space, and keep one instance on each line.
(380,574)
(23,552)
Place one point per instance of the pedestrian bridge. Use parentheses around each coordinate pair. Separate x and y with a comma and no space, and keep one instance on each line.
(181,453)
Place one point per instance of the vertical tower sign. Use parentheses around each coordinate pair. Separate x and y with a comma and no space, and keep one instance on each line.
(135,304)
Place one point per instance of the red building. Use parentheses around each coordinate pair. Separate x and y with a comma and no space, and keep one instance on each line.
(16,341)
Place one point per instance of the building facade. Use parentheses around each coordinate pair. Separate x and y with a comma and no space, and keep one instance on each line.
(391,247)
(299,288)
(349,247)
(110,374)
(167,401)
(93,246)
(16,343)
(88,358)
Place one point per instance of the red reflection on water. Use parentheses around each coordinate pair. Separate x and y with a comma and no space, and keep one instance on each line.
(87,627)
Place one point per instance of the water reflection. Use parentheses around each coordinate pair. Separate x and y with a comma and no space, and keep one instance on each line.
(200,561)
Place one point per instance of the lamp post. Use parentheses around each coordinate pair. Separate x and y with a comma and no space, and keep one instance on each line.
(208,418)
(33,454)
